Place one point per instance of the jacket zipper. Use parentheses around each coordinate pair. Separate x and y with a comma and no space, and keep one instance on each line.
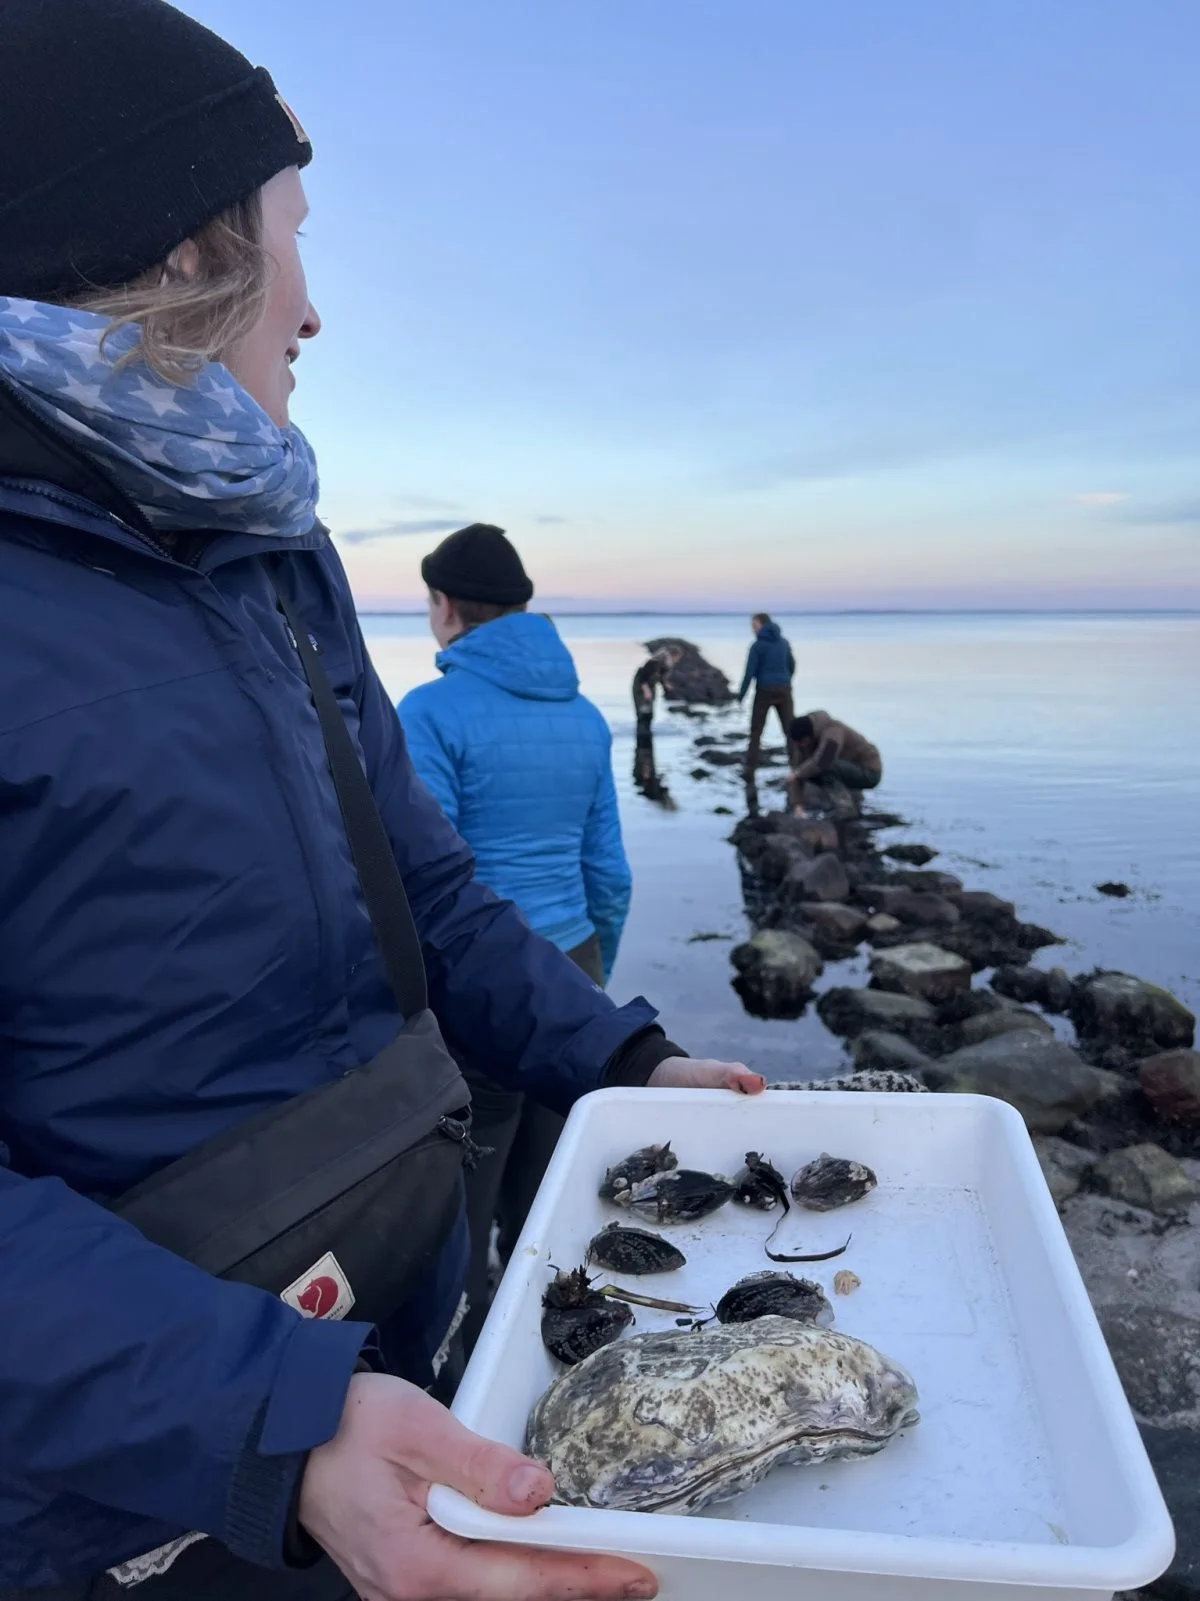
(72,503)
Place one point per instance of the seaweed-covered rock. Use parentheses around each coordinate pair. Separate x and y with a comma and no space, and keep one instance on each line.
(928,883)
(1147,1176)
(779,855)
(823,878)
(997,942)
(980,904)
(878,1050)
(1170,1081)
(1120,1018)
(917,908)
(914,855)
(921,969)
(850,1012)
(1054,991)
(1004,1020)
(1044,1079)
(835,924)
(830,798)
(1066,1167)
(693,681)
(776,972)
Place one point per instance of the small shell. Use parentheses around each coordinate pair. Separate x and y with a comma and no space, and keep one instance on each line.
(573,1334)
(622,1249)
(832,1181)
(845,1282)
(677,1197)
(643,1164)
(773,1294)
(577,1320)
(760,1184)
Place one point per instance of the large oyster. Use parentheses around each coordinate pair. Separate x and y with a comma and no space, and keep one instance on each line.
(673,1421)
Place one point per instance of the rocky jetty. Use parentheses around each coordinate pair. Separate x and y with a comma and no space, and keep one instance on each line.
(1101,1065)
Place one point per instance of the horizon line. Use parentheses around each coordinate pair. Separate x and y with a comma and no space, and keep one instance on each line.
(847,611)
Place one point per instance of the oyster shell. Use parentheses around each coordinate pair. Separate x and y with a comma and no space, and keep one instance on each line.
(832,1181)
(774,1294)
(577,1320)
(633,1169)
(760,1184)
(622,1249)
(673,1421)
(678,1196)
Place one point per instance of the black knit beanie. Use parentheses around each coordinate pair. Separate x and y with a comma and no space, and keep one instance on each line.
(124,127)
(478,563)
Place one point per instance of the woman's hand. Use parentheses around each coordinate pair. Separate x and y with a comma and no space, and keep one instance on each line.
(363,1498)
(686,1073)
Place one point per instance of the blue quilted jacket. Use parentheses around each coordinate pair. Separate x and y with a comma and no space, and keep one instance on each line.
(521,763)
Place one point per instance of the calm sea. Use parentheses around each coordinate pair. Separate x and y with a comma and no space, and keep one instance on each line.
(1042,755)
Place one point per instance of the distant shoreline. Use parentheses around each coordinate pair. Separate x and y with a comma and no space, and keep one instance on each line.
(860,611)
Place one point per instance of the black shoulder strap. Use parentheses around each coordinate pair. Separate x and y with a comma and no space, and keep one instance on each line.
(382,886)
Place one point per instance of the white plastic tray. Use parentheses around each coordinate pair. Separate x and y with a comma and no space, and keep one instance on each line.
(1026,1475)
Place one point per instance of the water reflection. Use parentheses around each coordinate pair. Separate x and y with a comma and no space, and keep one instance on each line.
(646,778)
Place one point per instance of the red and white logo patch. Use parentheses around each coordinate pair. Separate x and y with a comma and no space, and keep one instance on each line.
(324,1291)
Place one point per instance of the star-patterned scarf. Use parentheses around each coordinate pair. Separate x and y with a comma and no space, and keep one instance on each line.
(194,457)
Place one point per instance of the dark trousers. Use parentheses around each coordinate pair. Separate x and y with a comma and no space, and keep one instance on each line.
(777,697)
(522,1136)
(206,1572)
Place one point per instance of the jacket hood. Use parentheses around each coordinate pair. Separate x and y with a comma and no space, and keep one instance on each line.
(769,632)
(521,653)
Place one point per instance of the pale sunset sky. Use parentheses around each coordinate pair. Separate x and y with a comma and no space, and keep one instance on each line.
(742,303)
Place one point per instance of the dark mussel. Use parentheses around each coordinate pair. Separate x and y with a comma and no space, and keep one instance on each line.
(760,1184)
(677,1197)
(643,1164)
(577,1320)
(622,1249)
(772,1294)
(832,1181)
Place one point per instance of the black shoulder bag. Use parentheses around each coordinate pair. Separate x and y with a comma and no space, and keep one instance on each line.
(341,1197)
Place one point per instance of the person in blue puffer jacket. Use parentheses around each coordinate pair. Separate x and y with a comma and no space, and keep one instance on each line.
(521,764)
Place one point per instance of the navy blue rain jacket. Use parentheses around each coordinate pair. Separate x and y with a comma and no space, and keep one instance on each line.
(183,943)
(769,662)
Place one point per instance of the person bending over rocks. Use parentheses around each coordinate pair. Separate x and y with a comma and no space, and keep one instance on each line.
(650,676)
(823,748)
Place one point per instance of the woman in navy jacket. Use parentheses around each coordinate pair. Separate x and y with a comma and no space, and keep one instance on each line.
(183,941)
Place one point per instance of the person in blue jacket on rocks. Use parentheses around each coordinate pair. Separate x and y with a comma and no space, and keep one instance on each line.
(521,764)
(770,667)
(183,939)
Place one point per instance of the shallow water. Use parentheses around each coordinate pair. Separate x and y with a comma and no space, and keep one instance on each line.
(1041,755)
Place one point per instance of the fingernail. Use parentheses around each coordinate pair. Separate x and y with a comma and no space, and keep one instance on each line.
(641,1590)
(524,1484)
